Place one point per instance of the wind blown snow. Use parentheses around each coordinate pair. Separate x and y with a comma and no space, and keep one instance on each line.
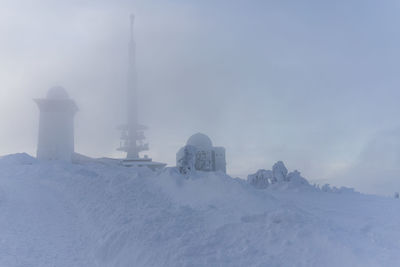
(102,214)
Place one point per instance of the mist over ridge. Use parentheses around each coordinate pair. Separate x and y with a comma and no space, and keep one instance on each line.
(310,84)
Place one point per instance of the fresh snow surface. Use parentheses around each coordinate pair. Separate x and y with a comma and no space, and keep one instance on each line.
(100,214)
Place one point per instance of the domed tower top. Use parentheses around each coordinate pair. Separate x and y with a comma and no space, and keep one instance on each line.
(200,140)
(57,99)
(57,92)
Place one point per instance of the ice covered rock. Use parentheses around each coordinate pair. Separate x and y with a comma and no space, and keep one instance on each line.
(295,178)
(261,179)
(279,172)
(278,177)
(333,189)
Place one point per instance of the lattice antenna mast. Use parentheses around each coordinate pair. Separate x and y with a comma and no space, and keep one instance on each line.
(132,136)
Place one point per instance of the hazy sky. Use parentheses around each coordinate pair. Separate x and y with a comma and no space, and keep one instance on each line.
(312,83)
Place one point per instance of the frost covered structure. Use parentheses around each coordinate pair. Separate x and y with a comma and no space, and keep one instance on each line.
(185,159)
(100,214)
(279,175)
(199,154)
(56,125)
(132,132)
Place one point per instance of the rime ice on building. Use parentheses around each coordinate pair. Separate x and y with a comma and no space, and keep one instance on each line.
(132,133)
(56,125)
(199,154)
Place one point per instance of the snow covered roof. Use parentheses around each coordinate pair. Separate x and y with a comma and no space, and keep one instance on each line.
(57,92)
(200,140)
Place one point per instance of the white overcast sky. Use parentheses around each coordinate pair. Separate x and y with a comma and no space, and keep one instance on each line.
(312,83)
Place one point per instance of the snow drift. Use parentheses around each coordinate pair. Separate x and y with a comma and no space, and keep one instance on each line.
(100,214)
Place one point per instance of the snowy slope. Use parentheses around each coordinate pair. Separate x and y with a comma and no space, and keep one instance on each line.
(99,214)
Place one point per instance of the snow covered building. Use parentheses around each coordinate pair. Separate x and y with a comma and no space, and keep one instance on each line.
(56,125)
(199,154)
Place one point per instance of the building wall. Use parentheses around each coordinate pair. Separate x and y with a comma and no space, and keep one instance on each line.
(56,135)
(205,160)
(220,162)
(212,159)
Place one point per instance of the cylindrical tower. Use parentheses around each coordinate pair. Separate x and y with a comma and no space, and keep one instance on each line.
(56,125)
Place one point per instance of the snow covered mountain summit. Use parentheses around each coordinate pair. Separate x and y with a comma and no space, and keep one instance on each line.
(99,214)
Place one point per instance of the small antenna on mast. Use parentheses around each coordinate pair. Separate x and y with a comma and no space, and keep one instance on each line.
(132,19)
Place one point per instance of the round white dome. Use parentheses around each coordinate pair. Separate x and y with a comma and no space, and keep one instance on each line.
(200,140)
(57,92)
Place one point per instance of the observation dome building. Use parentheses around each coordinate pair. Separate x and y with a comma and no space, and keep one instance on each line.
(200,154)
